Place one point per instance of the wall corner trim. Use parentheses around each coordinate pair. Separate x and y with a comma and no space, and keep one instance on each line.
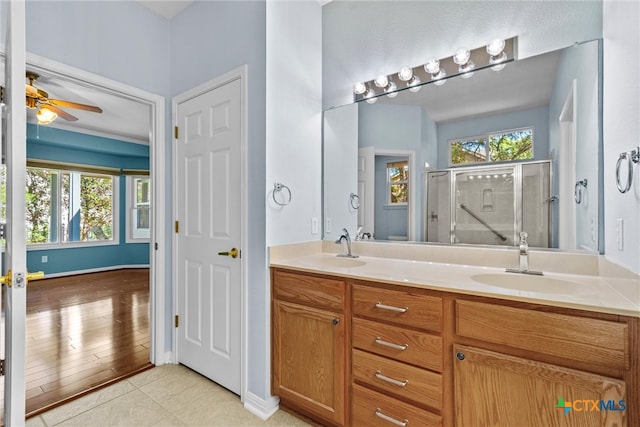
(262,408)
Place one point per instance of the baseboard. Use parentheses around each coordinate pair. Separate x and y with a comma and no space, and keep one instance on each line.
(95,270)
(259,407)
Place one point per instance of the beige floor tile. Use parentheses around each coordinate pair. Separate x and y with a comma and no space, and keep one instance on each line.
(35,422)
(92,400)
(133,409)
(156,373)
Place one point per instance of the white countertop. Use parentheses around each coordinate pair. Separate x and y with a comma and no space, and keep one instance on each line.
(592,292)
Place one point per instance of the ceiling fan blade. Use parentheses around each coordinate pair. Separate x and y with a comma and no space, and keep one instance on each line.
(70,104)
(62,113)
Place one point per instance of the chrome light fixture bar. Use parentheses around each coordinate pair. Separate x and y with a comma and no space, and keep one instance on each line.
(495,55)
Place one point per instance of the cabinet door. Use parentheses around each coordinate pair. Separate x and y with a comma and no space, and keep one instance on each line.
(493,389)
(309,359)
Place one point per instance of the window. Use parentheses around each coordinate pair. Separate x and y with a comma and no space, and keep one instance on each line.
(398,182)
(138,208)
(65,207)
(505,146)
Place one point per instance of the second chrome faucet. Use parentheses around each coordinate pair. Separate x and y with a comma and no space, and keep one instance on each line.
(345,236)
(523,264)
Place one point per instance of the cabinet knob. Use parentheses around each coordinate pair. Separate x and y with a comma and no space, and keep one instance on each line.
(460,355)
(335,321)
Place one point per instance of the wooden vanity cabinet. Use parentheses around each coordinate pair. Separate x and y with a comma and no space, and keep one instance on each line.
(397,357)
(360,353)
(309,345)
(526,366)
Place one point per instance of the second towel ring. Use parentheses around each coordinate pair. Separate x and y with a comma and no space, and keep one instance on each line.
(631,158)
(277,188)
(354,200)
(577,190)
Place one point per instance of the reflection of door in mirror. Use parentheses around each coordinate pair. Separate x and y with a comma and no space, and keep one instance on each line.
(366,189)
(392,200)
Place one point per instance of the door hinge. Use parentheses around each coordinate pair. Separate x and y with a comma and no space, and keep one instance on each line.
(177,320)
(175,132)
(156,246)
(1,367)
(177,226)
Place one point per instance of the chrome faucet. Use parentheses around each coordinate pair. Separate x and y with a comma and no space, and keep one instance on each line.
(345,236)
(523,253)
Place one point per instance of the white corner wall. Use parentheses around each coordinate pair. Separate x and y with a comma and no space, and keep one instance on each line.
(294,119)
(621,126)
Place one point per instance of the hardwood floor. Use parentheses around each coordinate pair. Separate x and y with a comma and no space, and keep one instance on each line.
(84,332)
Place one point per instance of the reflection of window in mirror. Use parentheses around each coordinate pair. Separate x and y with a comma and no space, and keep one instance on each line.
(398,182)
(503,146)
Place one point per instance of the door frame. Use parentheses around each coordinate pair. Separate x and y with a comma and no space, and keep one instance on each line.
(239,73)
(157,173)
(413,182)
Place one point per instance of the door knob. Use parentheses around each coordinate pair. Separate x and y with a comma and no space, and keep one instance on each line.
(233,253)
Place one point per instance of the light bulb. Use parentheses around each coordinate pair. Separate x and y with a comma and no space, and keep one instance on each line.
(370,96)
(495,47)
(405,74)
(439,82)
(462,56)
(499,67)
(391,90)
(464,69)
(432,66)
(381,81)
(438,79)
(359,88)
(414,84)
(45,116)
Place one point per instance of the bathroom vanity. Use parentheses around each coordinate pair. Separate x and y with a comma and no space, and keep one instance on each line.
(374,341)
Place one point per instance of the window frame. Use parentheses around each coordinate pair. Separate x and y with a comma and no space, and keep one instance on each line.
(131,194)
(487,137)
(115,209)
(390,183)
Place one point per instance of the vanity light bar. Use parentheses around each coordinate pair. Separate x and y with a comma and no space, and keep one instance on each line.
(460,64)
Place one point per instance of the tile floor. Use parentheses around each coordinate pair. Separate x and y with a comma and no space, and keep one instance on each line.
(169,395)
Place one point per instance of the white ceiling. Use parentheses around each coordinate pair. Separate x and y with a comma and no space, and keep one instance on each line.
(121,118)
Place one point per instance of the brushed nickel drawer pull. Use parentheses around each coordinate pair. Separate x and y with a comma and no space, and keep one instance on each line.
(392,308)
(379,414)
(393,381)
(401,347)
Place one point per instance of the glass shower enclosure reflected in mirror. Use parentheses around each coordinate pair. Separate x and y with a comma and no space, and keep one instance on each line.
(485,205)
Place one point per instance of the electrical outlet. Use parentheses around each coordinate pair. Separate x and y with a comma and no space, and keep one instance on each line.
(327,227)
(314,225)
(45,259)
(620,233)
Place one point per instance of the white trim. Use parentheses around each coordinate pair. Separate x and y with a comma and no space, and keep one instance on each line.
(96,270)
(130,196)
(240,73)
(157,162)
(261,408)
(413,184)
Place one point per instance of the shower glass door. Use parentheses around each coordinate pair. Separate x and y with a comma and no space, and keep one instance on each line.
(484,210)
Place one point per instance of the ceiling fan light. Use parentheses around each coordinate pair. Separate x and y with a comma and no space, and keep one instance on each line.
(45,116)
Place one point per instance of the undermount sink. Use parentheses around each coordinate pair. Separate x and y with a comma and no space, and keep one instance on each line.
(540,284)
(335,262)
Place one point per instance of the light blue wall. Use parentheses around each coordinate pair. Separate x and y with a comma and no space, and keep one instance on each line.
(207,40)
(581,63)
(52,144)
(397,127)
(538,118)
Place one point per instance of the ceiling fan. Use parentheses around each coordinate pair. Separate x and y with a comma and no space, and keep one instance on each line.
(47,110)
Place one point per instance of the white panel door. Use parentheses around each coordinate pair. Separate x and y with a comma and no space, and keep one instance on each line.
(208,197)
(14,140)
(366,188)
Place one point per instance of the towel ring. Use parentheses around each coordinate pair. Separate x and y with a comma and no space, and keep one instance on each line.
(631,158)
(354,200)
(577,190)
(277,188)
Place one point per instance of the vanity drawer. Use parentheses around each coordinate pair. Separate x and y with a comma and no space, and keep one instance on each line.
(401,380)
(406,345)
(403,307)
(595,341)
(369,407)
(318,292)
